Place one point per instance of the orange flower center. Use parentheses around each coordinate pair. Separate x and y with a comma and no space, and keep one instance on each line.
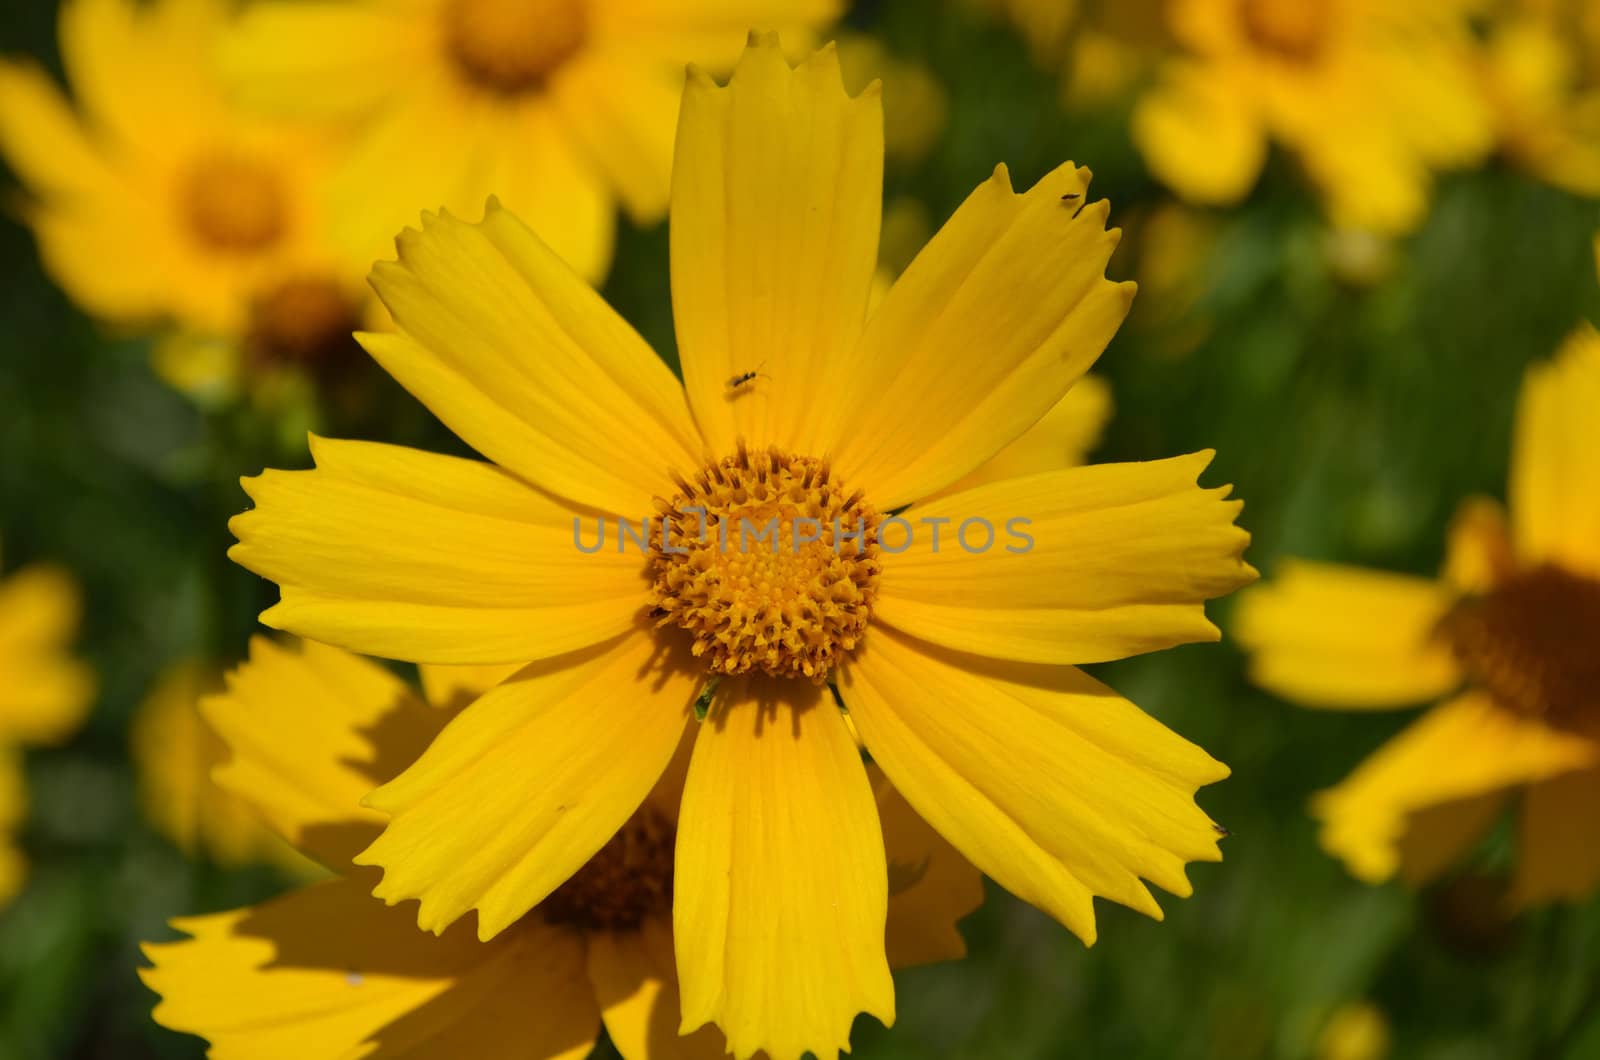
(1295,30)
(768,562)
(305,320)
(513,46)
(628,880)
(1533,642)
(234,204)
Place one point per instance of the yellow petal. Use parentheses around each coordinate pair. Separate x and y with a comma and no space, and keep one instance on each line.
(336,59)
(409,555)
(1326,635)
(636,981)
(330,973)
(1200,135)
(1370,182)
(175,752)
(777,194)
(1054,786)
(780,893)
(1558,859)
(1062,439)
(623,111)
(41,138)
(931,886)
(310,731)
(1555,463)
(1480,554)
(982,335)
(44,693)
(528,782)
(1458,750)
(529,365)
(1085,565)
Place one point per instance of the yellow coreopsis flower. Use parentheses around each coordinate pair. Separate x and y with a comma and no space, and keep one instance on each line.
(155,201)
(561,108)
(1543,75)
(44,693)
(1508,633)
(955,662)
(1370,96)
(329,971)
(175,753)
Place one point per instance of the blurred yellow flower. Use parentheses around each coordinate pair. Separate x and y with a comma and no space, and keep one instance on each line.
(154,201)
(44,693)
(1506,634)
(328,971)
(560,108)
(1357,1031)
(1370,96)
(963,690)
(174,753)
(1543,75)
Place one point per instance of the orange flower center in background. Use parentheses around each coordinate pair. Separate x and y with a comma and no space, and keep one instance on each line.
(779,573)
(628,880)
(513,46)
(306,320)
(1533,642)
(1295,30)
(234,204)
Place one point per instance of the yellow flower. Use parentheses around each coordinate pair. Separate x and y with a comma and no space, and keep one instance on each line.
(561,108)
(44,693)
(1356,1031)
(156,201)
(1543,75)
(329,971)
(956,666)
(1370,96)
(1506,633)
(175,753)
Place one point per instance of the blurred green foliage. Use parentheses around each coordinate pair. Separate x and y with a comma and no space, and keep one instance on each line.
(1351,419)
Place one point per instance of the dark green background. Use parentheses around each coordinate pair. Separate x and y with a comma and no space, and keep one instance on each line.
(1350,420)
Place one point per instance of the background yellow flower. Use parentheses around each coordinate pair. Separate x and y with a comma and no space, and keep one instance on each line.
(1507,632)
(1371,98)
(1542,72)
(156,202)
(44,692)
(176,754)
(564,109)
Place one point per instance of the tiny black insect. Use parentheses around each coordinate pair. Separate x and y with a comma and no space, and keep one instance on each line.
(743,379)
